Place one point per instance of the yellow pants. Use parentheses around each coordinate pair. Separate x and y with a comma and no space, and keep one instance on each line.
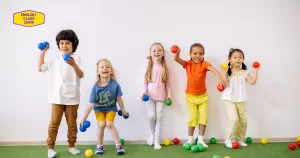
(198,109)
(105,116)
(236,112)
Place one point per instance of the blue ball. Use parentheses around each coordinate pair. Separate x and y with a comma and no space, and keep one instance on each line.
(120,112)
(127,116)
(46,43)
(82,129)
(145,97)
(86,124)
(66,56)
(41,46)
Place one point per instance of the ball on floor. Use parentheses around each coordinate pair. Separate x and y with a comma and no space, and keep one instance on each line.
(248,140)
(89,153)
(264,140)
(167,142)
(122,141)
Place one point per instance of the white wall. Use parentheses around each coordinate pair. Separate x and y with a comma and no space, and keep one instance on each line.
(122,31)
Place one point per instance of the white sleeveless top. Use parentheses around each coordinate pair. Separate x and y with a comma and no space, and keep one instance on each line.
(236,89)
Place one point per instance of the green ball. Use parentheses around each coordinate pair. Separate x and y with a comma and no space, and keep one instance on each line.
(122,141)
(213,140)
(200,147)
(188,146)
(216,156)
(195,148)
(168,102)
(248,140)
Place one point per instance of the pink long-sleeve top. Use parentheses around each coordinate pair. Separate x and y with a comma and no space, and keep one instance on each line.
(157,90)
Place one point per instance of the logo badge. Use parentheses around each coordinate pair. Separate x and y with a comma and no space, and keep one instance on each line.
(29,18)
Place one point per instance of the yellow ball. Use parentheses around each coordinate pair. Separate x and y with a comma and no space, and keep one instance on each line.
(298,138)
(226,157)
(88,153)
(224,66)
(264,140)
(167,142)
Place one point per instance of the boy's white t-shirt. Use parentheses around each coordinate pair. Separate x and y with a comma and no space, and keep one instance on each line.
(64,85)
(236,89)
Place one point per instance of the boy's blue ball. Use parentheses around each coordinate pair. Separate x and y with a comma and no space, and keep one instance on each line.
(82,129)
(127,116)
(120,112)
(41,46)
(66,56)
(86,124)
(145,97)
(46,43)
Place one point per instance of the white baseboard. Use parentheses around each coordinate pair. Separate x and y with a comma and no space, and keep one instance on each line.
(255,140)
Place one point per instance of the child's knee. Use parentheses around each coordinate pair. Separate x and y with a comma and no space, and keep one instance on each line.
(101,124)
(152,118)
(109,125)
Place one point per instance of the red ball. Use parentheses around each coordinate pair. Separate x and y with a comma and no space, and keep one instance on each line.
(176,141)
(298,144)
(235,145)
(174,49)
(220,87)
(292,146)
(256,64)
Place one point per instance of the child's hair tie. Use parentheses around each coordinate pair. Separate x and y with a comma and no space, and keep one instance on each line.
(230,51)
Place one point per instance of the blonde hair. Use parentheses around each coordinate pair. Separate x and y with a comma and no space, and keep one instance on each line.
(150,66)
(112,76)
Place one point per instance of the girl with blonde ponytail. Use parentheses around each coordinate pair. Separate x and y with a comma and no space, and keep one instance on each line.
(157,87)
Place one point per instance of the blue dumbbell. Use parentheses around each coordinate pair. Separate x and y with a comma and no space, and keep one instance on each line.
(66,56)
(82,129)
(145,97)
(86,124)
(120,114)
(42,46)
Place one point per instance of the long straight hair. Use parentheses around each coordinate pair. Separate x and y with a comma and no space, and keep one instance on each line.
(150,66)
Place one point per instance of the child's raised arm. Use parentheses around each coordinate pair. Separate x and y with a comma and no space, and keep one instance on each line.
(178,59)
(42,58)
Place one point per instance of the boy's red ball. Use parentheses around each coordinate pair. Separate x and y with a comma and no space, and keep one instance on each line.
(256,64)
(174,49)
(220,87)
(175,140)
(298,144)
(292,146)
(235,145)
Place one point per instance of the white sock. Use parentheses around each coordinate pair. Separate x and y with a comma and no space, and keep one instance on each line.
(190,140)
(242,143)
(228,143)
(200,141)
(117,145)
(200,138)
(150,139)
(99,145)
(157,145)
(74,151)
(51,153)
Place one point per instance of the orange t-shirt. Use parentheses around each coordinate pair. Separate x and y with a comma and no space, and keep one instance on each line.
(196,76)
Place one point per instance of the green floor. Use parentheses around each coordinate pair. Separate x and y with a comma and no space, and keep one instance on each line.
(271,150)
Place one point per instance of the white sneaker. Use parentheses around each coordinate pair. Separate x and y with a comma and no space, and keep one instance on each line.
(242,143)
(202,142)
(51,153)
(228,143)
(74,151)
